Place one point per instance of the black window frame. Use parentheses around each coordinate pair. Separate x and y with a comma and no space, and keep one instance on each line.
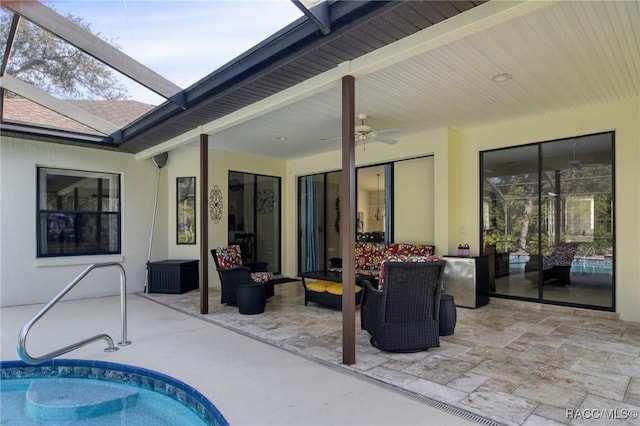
(76,216)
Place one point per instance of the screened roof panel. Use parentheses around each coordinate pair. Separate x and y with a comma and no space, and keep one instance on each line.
(185,40)
(182,41)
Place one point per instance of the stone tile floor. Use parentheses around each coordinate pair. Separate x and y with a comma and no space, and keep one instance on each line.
(515,363)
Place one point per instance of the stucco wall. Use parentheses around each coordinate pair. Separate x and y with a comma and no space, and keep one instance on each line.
(414,209)
(24,279)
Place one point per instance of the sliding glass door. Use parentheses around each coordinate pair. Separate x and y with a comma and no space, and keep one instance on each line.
(389,205)
(254,217)
(320,213)
(547,220)
(373,202)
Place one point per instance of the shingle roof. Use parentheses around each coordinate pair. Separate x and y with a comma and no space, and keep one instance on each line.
(117,112)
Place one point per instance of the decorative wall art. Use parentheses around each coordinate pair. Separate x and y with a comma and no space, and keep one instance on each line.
(186,210)
(215,204)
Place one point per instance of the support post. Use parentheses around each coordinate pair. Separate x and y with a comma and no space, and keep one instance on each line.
(204,222)
(348,225)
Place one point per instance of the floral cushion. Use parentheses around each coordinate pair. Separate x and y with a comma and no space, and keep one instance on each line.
(414,249)
(261,277)
(368,254)
(403,258)
(562,255)
(229,257)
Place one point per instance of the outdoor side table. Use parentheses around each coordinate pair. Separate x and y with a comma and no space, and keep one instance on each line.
(251,299)
(448,315)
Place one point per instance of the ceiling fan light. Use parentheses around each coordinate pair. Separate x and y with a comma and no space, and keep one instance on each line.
(363,128)
(501,78)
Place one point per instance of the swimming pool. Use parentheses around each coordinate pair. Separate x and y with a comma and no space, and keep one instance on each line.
(98,393)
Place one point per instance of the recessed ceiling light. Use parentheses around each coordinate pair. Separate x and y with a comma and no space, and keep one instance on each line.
(282,138)
(501,78)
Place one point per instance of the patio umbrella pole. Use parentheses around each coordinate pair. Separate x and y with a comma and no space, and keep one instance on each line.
(159,160)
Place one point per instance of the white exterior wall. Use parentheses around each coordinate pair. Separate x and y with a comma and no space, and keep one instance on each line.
(25,279)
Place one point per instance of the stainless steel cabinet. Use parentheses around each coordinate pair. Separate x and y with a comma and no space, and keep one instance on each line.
(467,280)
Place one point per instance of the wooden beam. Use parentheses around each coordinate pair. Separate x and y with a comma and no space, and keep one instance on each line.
(204,224)
(348,225)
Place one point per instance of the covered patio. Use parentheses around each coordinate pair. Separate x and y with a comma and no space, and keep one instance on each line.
(441,81)
(509,362)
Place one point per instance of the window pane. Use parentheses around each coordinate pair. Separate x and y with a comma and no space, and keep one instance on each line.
(510,223)
(79,212)
(578,252)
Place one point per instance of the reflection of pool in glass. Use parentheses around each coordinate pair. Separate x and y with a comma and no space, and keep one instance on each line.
(579,266)
(98,393)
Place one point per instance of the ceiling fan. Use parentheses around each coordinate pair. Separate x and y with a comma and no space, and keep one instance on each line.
(574,163)
(365,132)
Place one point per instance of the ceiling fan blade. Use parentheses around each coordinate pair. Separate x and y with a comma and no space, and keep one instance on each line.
(385,140)
(382,136)
(386,132)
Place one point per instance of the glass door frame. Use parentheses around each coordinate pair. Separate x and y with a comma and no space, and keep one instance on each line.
(265,201)
(554,225)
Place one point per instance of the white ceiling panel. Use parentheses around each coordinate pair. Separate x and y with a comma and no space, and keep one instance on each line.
(569,54)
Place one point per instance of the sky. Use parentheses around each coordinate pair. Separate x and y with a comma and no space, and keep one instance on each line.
(181,40)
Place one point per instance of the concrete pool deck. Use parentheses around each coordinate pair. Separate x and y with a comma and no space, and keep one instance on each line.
(250,382)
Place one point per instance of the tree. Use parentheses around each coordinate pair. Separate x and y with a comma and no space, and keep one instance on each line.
(51,64)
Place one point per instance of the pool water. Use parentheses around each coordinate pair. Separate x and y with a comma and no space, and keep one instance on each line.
(78,392)
(27,402)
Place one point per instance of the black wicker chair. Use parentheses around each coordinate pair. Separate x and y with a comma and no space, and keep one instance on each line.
(556,265)
(233,273)
(403,316)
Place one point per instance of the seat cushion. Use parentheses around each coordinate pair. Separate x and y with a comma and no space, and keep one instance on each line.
(318,286)
(228,257)
(336,288)
(261,277)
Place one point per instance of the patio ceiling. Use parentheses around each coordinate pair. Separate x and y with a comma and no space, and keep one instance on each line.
(561,55)
(419,66)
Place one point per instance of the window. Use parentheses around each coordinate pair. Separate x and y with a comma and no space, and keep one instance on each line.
(78,213)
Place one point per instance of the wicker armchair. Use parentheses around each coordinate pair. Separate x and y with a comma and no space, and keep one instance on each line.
(403,315)
(556,265)
(234,273)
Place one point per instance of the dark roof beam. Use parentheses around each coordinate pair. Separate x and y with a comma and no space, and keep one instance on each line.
(93,45)
(48,134)
(317,11)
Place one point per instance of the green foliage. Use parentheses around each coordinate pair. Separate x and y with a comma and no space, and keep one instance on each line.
(56,67)
(513,224)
